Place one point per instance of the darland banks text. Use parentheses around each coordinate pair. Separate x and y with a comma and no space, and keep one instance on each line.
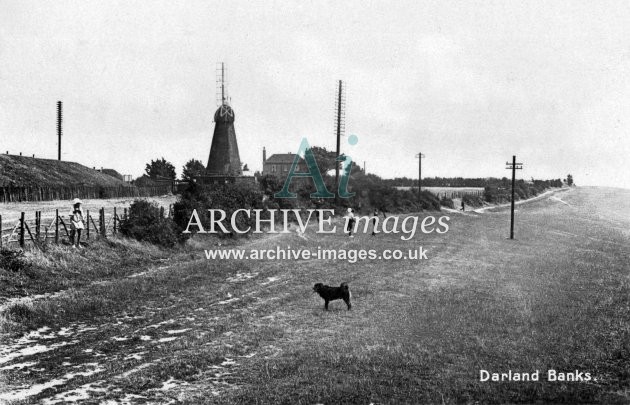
(551,376)
(279,221)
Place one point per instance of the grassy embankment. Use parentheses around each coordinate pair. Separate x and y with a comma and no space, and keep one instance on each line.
(557,297)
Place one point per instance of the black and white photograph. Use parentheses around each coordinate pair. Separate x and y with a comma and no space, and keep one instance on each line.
(314,202)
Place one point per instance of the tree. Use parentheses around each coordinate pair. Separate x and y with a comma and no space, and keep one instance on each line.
(569,180)
(193,168)
(160,169)
(325,159)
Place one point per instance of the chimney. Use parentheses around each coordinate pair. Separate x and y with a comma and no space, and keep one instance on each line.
(264,155)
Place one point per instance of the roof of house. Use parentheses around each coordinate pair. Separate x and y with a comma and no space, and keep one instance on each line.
(281,158)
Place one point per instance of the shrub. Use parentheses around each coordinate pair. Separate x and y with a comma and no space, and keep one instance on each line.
(447,202)
(13,260)
(429,201)
(146,223)
(472,200)
(227,197)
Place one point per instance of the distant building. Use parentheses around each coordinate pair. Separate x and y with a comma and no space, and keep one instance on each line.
(280,163)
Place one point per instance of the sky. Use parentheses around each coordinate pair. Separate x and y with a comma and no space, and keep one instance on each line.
(468,84)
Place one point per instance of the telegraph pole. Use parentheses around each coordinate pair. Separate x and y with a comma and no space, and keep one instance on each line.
(514,167)
(59,128)
(420,156)
(340,121)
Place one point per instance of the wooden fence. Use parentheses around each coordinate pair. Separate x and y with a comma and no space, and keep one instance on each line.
(20,194)
(459,194)
(40,229)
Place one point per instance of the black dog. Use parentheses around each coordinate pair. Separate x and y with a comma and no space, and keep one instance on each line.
(333,293)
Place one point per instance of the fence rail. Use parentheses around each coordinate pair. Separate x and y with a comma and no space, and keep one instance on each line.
(21,194)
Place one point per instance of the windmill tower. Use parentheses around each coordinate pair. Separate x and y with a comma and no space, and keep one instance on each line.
(224,159)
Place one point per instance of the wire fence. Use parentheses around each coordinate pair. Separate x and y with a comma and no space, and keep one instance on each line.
(39,229)
(37,193)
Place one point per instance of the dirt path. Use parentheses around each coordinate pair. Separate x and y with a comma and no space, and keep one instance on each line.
(84,360)
(481,210)
(520,202)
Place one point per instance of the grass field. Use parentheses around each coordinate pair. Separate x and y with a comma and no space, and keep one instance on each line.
(173,327)
(11,211)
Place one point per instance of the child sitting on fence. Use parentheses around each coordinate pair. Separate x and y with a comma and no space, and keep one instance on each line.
(76,222)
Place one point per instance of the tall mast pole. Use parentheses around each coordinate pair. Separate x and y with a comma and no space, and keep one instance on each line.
(222,83)
(59,127)
(420,156)
(514,167)
(338,135)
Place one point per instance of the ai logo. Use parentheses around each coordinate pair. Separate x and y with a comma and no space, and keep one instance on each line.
(314,173)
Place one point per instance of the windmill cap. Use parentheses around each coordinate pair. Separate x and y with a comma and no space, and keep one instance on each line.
(77,201)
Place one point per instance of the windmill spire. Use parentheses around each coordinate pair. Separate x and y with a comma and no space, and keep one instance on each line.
(223,98)
(222,83)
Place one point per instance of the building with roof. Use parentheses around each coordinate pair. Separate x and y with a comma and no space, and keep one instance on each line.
(279,164)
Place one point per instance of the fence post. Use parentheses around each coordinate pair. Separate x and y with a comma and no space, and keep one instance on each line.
(115,220)
(37,220)
(0,231)
(22,230)
(103,230)
(125,214)
(57,226)
(87,228)
(161,212)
